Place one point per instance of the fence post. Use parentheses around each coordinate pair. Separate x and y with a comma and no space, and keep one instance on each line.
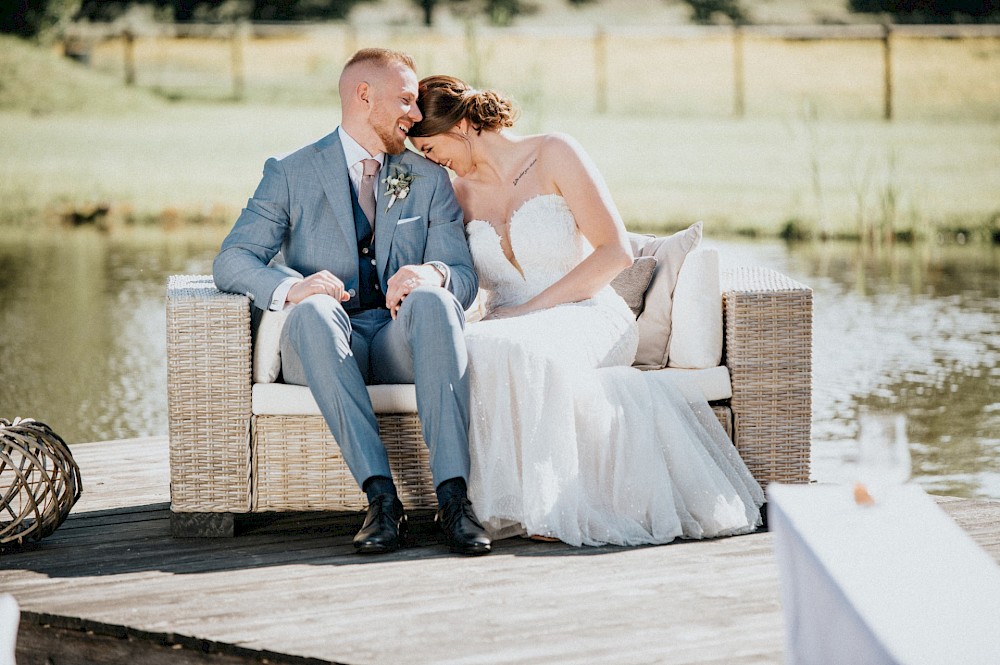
(236,59)
(887,61)
(601,70)
(128,41)
(739,106)
(472,49)
(350,40)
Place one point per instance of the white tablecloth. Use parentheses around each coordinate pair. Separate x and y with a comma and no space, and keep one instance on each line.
(10,617)
(898,582)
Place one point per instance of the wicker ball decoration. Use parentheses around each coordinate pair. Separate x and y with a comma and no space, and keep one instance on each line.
(39,481)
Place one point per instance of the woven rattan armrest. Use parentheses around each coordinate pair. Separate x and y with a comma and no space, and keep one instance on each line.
(208,396)
(768,350)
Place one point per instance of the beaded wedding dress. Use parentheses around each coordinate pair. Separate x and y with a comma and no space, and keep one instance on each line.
(567,440)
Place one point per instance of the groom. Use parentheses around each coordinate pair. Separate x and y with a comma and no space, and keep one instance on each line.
(382,274)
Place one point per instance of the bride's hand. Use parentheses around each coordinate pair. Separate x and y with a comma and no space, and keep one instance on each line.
(406,279)
(504,313)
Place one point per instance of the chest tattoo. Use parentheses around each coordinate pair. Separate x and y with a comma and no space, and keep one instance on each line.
(526,169)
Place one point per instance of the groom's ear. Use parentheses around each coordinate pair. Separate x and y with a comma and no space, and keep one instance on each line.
(363,91)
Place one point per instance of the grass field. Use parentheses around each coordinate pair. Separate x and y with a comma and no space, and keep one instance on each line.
(809,167)
(203,161)
(645,71)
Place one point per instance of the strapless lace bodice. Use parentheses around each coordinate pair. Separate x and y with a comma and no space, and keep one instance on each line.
(546,242)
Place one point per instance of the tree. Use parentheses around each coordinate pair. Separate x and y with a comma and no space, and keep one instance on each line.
(932,11)
(35,18)
(428,8)
(499,12)
(301,10)
(707,11)
(225,10)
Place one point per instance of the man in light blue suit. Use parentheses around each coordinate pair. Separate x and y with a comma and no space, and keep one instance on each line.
(378,273)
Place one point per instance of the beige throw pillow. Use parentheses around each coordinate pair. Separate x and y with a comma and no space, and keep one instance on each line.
(654,322)
(696,318)
(631,283)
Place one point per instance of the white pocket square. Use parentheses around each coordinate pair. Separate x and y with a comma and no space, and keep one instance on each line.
(407,220)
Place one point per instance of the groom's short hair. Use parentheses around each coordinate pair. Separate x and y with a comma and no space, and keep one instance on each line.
(382,57)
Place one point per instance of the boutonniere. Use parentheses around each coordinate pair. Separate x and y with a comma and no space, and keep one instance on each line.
(397,185)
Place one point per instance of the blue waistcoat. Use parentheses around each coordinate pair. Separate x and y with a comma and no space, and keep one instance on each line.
(369,295)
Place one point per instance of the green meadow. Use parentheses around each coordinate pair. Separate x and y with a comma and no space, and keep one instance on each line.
(810,157)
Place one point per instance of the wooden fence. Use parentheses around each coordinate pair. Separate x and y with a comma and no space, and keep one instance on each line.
(606,69)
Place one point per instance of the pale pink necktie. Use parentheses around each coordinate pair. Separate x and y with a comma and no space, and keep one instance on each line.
(366,195)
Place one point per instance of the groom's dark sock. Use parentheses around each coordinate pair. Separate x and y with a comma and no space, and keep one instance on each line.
(451,488)
(377,486)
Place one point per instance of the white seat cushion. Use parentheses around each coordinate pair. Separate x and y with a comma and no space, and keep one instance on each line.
(280,399)
(713,382)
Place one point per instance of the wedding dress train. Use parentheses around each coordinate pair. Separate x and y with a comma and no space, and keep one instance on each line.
(567,440)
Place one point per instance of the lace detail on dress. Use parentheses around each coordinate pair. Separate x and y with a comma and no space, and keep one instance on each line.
(543,235)
(566,439)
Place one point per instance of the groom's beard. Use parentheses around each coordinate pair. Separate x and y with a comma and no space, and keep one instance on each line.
(393,144)
(388,133)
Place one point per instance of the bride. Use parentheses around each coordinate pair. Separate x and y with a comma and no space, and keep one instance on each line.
(567,440)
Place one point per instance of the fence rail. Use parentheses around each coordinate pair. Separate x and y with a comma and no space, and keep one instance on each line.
(603,58)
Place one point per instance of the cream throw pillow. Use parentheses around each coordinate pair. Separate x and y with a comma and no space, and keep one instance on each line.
(696,318)
(654,322)
(267,346)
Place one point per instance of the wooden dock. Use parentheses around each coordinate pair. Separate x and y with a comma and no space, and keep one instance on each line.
(112,586)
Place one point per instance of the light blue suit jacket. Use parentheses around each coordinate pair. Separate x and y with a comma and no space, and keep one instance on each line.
(302,208)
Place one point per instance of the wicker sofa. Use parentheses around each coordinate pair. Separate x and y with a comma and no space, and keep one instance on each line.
(233,451)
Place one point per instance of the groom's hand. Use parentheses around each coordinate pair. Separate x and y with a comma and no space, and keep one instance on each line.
(323,281)
(406,280)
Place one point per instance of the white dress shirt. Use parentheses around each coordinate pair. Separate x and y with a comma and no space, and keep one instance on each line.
(354,154)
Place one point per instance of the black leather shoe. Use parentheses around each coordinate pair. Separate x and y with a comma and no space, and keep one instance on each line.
(385,526)
(462,531)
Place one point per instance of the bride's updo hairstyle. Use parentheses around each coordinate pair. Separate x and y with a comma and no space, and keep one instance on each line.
(445,101)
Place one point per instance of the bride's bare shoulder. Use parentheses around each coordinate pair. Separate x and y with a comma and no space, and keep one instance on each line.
(559,143)
(557,148)
(560,156)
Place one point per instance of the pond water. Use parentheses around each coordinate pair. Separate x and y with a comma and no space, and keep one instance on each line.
(911,331)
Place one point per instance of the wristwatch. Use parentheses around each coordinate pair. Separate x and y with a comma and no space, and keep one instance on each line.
(441,268)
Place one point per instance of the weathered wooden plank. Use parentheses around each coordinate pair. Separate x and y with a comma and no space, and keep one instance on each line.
(292,585)
(202,525)
(46,639)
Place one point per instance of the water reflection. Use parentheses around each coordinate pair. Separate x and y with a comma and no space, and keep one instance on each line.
(82,328)
(904,330)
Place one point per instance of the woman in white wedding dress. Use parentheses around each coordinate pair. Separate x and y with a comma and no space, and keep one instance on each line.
(567,440)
